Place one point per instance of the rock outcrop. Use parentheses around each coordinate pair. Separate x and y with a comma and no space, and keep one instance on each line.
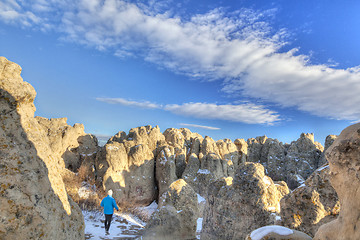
(127,165)
(235,206)
(302,158)
(292,163)
(71,143)
(33,200)
(312,204)
(177,215)
(344,156)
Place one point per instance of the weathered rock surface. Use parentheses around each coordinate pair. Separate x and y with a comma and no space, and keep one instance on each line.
(329,140)
(344,156)
(71,143)
(312,204)
(302,158)
(128,167)
(177,215)
(292,163)
(33,200)
(236,206)
(165,168)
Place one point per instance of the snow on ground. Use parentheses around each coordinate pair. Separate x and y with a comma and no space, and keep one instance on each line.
(146,212)
(263,231)
(198,227)
(123,226)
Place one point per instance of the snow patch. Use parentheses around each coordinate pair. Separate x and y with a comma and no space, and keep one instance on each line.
(112,148)
(149,210)
(263,231)
(299,179)
(322,168)
(204,171)
(199,223)
(86,191)
(200,199)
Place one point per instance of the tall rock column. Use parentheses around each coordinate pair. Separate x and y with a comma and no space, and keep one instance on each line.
(33,200)
(344,160)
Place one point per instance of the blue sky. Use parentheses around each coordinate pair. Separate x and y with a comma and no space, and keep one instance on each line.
(225,69)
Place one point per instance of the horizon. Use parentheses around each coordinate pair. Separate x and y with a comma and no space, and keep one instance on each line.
(222,69)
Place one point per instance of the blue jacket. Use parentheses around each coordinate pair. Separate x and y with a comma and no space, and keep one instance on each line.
(108,203)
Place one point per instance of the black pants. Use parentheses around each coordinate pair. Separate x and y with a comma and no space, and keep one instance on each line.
(108,218)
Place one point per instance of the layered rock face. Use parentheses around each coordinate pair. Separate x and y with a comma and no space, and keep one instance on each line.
(235,206)
(33,200)
(312,204)
(344,160)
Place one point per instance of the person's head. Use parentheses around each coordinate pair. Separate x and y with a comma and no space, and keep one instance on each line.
(110,193)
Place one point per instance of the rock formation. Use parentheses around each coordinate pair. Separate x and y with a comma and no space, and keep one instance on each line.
(329,140)
(33,200)
(70,142)
(343,156)
(165,168)
(302,159)
(177,215)
(312,204)
(235,206)
(292,163)
(127,165)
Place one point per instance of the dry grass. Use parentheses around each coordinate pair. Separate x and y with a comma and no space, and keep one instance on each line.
(83,180)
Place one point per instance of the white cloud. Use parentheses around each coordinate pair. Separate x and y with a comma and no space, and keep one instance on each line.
(199,126)
(122,101)
(236,48)
(246,113)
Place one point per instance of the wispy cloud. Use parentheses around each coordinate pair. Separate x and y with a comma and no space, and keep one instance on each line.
(125,102)
(199,126)
(245,113)
(237,48)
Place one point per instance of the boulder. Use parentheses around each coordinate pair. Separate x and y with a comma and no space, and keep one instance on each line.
(177,215)
(343,157)
(235,206)
(33,200)
(312,204)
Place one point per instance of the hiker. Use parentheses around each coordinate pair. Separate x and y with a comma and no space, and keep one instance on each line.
(108,203)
